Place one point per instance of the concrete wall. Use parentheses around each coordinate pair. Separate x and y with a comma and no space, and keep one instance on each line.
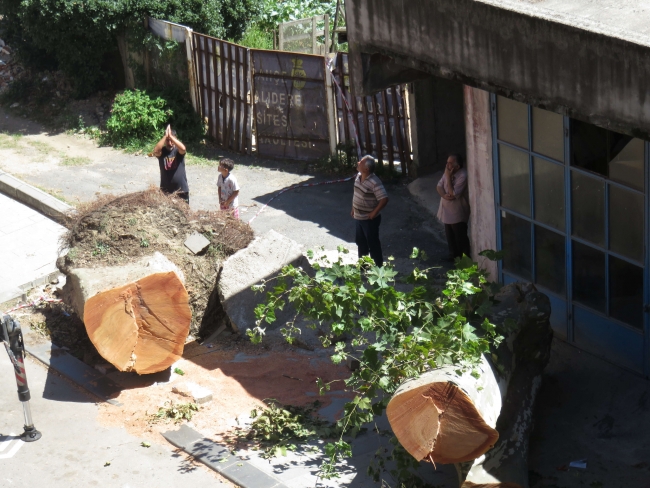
(440,122)
(554,65)
(482,221)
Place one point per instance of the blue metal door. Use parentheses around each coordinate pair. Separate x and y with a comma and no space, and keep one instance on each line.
(572,218)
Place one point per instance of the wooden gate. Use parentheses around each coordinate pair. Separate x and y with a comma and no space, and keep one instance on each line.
(383,114)
(224,80)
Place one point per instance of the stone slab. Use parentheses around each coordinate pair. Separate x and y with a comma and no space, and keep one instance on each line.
(35,198)
(196,243)
(262,259)
(198,393)
(82,283)
(29,244)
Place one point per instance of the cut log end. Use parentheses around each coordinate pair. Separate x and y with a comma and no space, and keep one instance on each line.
(141,326)
(439,422)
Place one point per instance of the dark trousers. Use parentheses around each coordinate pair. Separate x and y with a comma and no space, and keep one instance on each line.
(457,239)
(367,239)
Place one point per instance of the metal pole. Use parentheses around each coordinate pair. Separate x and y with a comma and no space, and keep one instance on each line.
(13,341)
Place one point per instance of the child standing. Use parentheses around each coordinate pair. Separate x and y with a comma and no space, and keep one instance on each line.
(228,188)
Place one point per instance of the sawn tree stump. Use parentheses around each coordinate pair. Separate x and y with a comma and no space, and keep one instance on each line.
(137,316)
(446,418)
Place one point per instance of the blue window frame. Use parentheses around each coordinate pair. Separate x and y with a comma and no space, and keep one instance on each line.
(577,230)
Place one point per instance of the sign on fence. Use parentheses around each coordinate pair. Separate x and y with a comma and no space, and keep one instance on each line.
(290,105)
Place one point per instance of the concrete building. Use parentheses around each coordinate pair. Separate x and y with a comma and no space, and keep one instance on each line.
(551,100)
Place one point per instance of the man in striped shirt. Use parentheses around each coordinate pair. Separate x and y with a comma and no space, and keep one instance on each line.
(369,199)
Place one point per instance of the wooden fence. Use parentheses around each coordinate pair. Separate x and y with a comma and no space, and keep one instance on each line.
(383,114)
(224,85)
(224,80)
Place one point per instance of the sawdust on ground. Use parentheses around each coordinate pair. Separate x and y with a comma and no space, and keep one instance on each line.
(239,381)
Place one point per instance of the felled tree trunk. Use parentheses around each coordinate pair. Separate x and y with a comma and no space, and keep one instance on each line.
(137,316)
(449,418)
(446,418)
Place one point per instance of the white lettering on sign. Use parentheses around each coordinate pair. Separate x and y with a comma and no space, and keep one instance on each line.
(9,445)
(265,118)
(281,99)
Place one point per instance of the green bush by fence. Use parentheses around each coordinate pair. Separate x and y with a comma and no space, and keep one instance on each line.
(138,119)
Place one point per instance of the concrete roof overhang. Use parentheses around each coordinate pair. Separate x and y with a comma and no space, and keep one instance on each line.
(589,59)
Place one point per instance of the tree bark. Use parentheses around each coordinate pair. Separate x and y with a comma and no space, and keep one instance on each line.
(444,417)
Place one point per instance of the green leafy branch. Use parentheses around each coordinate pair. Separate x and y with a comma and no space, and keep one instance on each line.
(278,428)
(396,334)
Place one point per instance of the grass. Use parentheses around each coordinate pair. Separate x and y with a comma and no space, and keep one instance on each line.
(257,38)
(55,194)
(74,160)
(194,160)
(10,141)
(42,147)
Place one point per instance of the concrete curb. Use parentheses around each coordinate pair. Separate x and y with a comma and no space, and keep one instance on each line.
(18,291)
(75,370)
(219,458)
(33,197)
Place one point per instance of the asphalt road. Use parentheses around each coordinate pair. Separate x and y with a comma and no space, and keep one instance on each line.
(75,448)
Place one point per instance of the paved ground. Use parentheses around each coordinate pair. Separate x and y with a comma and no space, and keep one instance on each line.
(28,245)
(74,448)
(587,408)
(318,216)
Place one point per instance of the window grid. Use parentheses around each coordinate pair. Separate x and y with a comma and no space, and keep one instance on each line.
(567,233)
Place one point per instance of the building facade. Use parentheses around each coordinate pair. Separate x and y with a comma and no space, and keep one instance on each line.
(555,119)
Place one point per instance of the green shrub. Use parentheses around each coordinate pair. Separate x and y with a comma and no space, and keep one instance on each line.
(185,121)
(274,12)
(257,38)
(136,118)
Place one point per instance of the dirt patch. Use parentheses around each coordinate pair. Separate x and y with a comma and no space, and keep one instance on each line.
(239,382)
(113,231)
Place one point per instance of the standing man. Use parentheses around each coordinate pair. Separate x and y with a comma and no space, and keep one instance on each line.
(369,199)
(171,160)
(454,207)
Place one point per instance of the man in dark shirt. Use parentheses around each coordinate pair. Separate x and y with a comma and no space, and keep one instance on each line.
(171,160)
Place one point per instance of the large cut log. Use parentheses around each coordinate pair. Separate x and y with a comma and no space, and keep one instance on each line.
(137,316)
(445,417)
